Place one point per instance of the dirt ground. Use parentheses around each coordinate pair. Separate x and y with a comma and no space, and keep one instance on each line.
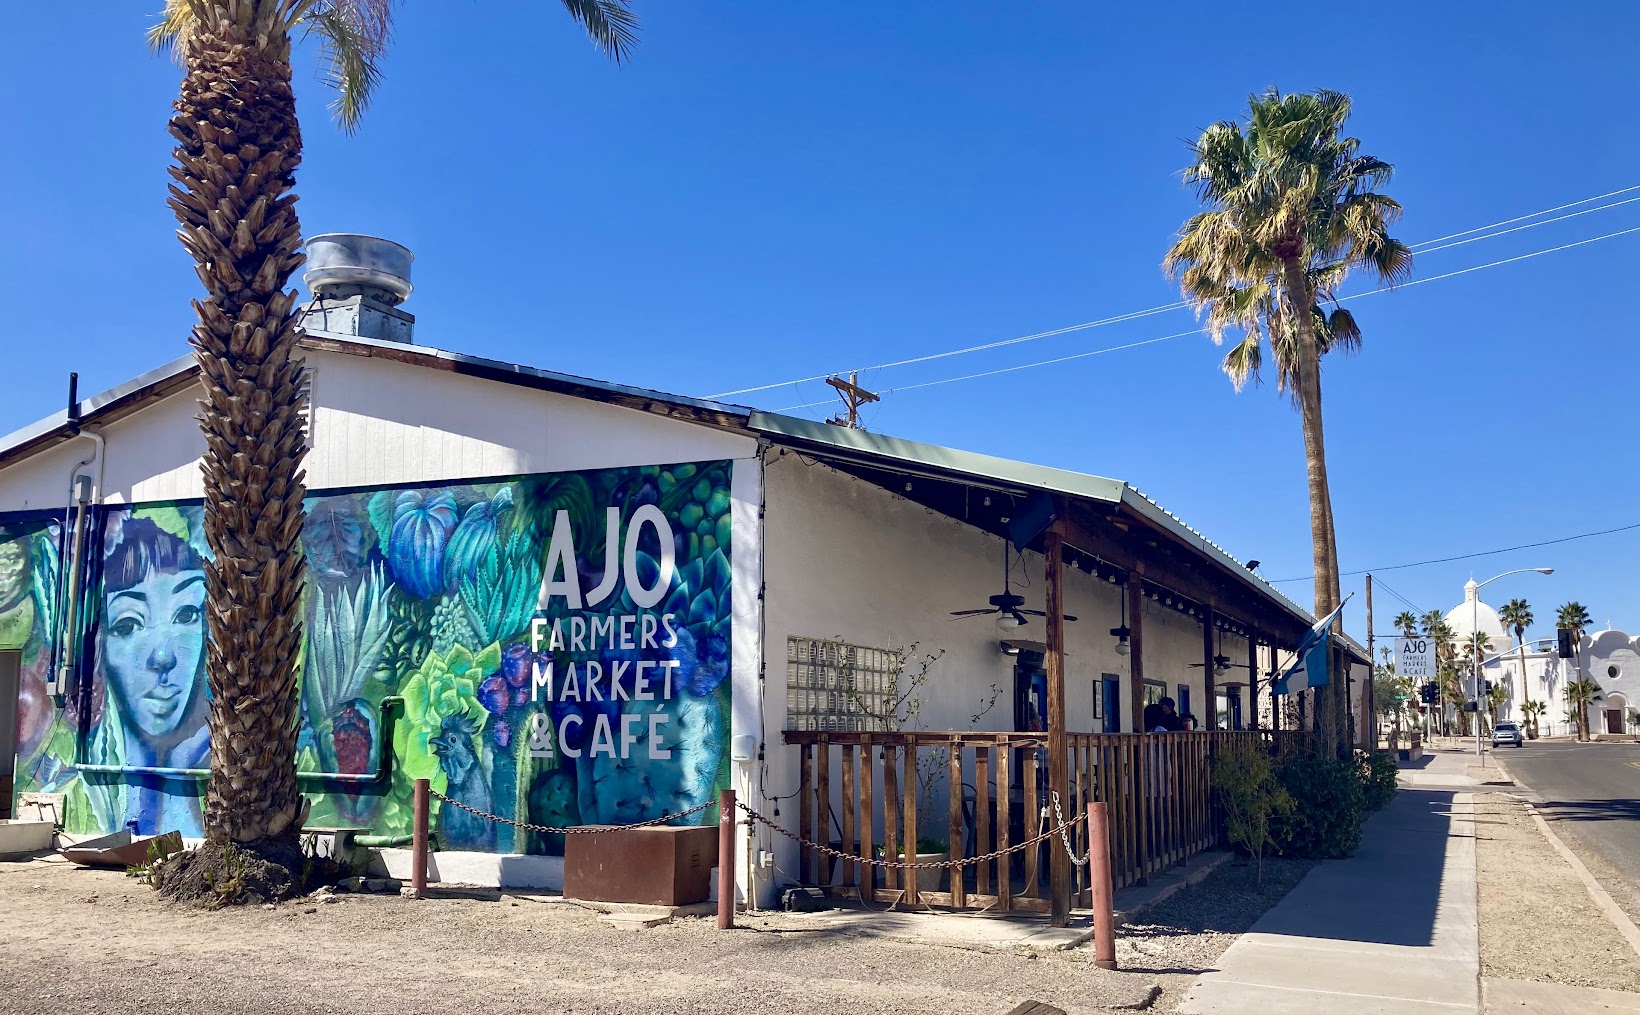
(97,942)
(1537,921)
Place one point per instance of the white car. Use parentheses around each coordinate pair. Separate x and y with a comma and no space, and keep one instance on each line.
(1508,733)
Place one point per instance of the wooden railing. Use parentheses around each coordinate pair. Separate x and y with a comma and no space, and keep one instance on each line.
(861,793)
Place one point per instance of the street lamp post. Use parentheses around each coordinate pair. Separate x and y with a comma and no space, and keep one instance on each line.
(1475,643)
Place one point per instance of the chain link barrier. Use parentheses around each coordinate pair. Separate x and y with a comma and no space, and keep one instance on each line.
(578,829)
(927,865)
(1066,835)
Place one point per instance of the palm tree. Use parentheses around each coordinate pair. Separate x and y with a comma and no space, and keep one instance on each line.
(1580,694)
(1517,614)
(1533,711)
(238,146)
(1293,207)
(1406,623)
(1574,617)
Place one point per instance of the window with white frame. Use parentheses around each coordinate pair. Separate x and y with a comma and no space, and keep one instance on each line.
(835,687)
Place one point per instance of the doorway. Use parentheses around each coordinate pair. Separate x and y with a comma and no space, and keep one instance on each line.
(1030,693)
(11,672)
(1614,721)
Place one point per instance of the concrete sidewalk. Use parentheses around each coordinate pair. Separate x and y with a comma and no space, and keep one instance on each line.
(1389,930)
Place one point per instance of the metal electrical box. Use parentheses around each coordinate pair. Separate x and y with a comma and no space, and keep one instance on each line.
(662,866)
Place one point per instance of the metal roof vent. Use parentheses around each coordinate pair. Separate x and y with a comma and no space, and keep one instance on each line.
(358,283)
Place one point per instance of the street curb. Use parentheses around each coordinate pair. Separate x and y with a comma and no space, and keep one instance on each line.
(1602,899)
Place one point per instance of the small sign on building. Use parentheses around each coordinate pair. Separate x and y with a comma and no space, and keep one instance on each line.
(1415,658)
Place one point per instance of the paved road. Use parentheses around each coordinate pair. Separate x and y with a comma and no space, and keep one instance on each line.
(1595,788)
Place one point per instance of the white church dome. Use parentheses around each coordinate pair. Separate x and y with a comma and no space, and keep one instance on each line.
(1463,619)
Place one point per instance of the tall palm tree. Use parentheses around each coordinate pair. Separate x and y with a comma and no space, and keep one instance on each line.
(238,147)
(1406,623)
(1533,711)
(1517,614)
(1293,207)
(1574,617)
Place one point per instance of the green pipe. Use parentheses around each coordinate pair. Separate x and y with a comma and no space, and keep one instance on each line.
(382,841)
(384,758)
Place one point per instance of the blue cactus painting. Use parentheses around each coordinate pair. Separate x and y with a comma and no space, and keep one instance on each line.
(552,649)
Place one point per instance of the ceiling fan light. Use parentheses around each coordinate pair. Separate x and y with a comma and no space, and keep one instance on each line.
(1007,623)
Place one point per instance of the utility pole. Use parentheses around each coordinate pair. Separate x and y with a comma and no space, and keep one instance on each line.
(853,396)
(1372,673)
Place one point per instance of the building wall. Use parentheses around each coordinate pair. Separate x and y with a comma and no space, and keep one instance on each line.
(850,561)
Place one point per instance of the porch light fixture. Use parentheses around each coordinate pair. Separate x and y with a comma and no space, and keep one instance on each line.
(1008,648)
(1121,633)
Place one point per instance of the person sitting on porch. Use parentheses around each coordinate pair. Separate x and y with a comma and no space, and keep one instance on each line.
(1160,717)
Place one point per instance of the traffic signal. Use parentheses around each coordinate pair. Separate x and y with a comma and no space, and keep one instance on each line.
(1563,647)
(1428,693)
(1489,687)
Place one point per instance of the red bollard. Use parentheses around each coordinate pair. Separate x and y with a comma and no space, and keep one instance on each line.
(418,840)
(726,860)
(1104,921)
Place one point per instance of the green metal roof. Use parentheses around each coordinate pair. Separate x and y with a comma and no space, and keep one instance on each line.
(942,462)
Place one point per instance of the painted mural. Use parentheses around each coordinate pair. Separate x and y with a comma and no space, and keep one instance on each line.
(553,649)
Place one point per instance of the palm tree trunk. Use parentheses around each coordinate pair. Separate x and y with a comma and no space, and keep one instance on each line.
(238,147)
(1324,550)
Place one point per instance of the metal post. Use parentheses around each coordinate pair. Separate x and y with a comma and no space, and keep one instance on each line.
(418,839)
(1104,920)
(726,860)
(1372,680)
(1475,645)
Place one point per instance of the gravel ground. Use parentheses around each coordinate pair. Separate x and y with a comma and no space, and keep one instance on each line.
(94,942)
(1537,921)
(1184,936)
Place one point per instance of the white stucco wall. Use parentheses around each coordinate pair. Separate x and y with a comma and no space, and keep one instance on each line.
(848,560)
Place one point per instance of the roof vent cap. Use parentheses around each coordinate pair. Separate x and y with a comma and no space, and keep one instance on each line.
(348,264)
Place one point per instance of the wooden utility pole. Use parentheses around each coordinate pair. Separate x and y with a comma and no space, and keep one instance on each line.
(1372,672)
(1210,661)
(853,396)
(1136,650)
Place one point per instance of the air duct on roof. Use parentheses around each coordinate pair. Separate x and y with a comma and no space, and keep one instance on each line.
(358,283)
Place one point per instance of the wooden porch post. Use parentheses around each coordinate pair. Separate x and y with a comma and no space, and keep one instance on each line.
(1059,865)
(1252,675)
(1209,677)
(1136,649)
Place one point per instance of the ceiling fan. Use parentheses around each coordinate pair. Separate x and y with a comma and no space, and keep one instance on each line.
(1009,607)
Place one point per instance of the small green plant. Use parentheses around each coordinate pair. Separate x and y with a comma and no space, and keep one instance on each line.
(1328,807)
(158,850)
(1245,780)
(1377,771)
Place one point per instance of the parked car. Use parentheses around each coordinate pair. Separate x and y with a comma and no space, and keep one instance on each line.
(1508,733)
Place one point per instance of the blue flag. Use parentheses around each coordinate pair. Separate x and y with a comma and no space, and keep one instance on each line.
(1311,667)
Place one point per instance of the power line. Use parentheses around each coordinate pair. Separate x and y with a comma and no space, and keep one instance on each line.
(1203,331)
(1414,607)
(1420,247)
(1530,225)
(1468,556)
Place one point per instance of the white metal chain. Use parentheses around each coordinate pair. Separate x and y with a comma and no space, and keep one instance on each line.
(577,829)
(1066,835)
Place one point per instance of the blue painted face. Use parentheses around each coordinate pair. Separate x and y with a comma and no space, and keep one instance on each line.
(153,648)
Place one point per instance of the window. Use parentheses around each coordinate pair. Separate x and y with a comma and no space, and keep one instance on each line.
(1155,691)
(835,687)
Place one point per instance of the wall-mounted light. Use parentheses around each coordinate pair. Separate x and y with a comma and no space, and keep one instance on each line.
(1008,648)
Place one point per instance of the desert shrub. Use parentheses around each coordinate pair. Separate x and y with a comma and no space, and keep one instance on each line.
(1324,821)
(1377,771)
(1244,780)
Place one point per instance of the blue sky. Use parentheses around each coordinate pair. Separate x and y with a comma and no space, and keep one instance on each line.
(771,191)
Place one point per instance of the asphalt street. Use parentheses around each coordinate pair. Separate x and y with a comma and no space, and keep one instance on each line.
(1593,788)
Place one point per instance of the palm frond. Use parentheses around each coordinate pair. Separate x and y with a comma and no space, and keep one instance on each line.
(610,24)
(353,39)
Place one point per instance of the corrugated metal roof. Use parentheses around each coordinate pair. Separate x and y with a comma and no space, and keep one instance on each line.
(1007,472)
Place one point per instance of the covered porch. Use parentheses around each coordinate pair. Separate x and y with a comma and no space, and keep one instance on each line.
(1184,620)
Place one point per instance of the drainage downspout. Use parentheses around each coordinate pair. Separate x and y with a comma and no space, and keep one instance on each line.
(69,607)
(384,757)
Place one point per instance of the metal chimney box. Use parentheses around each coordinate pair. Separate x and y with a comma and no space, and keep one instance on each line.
(661,866)
(358,283)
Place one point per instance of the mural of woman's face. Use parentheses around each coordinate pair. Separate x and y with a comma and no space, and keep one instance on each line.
(153,646)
